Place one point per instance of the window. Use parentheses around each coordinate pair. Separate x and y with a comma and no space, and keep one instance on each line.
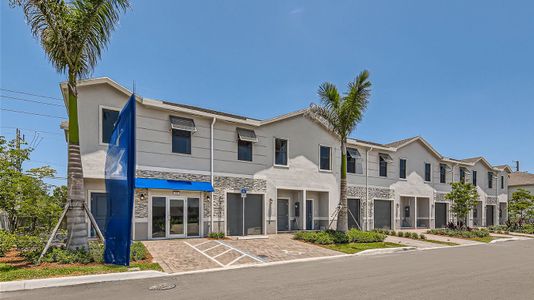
(383,164)
(442,173)
(475,178)
(502,182)
(402,168)
(182,129)
(244,150)
(490,180)
(325,158)
(428,172)
(108,119)
(245,138)
(354,161)
(280,152)
(181,141)
(462,175)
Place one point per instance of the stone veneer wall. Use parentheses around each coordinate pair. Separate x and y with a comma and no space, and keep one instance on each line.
(359,192)
(221,185)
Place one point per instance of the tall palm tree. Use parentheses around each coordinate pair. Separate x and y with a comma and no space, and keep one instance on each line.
(73,35)
(342,113)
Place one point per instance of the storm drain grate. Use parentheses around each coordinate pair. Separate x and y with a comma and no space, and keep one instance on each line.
(162,287)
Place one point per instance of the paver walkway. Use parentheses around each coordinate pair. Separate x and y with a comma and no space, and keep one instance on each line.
(181,255)
(412,243)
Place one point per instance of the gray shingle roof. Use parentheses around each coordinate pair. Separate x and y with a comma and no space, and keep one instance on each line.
(521,178)
(395,144)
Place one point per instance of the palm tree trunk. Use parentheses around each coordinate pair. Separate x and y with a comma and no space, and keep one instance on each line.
(342,220)
(76,221)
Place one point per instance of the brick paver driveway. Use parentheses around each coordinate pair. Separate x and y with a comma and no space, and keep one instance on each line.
(197,254)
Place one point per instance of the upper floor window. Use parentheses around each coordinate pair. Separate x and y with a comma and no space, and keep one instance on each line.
(502,182)
(402,168)
(280,152)
(383,160)
(428,172)
(107,120)
(182,129)
(325,153)
(181,141)
(442,173)
(354,161)
(490,180)
(462,175)
(244,144)
(475,178)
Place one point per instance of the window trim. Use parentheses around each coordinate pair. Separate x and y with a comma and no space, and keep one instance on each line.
(380,157)
(329,160)
(100,119)
(490,180)
(251,151)
(287,152)
(429,163)
(358,160)
(445,173)
(502,182)
(474,177)
(405,168)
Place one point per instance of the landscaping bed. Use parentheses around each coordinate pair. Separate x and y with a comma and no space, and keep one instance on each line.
(478,235)
(351,242)
(19,254)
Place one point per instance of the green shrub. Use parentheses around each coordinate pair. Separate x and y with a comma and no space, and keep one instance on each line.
(324,238)
(392,233)
(96,251)
(460,233)
(64,256)
(414,235)
(358,236)
(339,237)
(7,242)
(307,236)
(29,247)
(138,251)
(422,236)
(216,235)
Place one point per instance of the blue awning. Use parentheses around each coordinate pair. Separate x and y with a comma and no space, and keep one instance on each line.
(166,184)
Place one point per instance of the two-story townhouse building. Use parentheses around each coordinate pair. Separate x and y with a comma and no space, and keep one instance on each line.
(200,170)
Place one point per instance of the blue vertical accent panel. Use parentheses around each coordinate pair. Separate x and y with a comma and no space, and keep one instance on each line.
(120,185)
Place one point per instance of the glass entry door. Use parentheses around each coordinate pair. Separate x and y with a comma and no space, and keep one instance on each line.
(175,217)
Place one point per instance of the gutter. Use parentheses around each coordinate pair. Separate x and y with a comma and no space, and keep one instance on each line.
(211,170)
(367,186)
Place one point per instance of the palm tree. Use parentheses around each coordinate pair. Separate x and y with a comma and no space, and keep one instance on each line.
(341,114)
(73,35)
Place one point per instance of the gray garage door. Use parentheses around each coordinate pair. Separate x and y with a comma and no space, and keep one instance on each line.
(251,222)
(382,214)
(354,213)
(441,215)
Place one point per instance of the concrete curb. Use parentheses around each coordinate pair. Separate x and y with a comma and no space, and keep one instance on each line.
(502,240)
(75,280)
(384,251)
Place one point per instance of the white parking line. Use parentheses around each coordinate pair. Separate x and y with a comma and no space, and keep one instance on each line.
(229,248)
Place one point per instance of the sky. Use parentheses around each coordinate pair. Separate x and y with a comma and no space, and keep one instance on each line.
(458,73)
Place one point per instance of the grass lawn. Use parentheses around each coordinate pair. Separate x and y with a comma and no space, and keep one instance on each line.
(10,273)
(441,242)
(351,248)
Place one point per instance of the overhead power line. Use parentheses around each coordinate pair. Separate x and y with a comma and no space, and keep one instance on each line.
(30,94)
(28,100)
(33,130)
(32,113)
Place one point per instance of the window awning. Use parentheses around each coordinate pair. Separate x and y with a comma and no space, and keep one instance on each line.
(354,153)
(183,124)
(386,157)
(466,171)
(246,135)
(178,185)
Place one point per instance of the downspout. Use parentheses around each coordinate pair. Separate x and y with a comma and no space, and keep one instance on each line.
(367,206)
(211,171)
